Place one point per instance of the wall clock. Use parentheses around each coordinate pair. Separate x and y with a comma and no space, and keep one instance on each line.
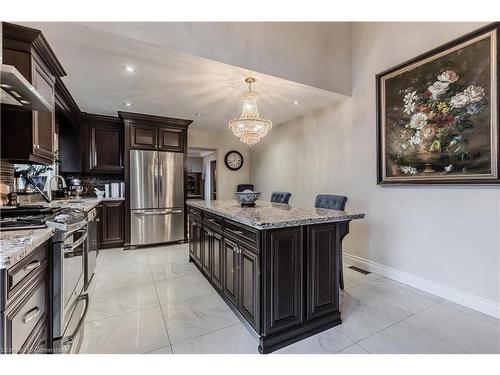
(233,160)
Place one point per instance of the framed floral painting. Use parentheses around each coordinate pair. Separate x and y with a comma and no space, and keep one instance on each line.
(437,115)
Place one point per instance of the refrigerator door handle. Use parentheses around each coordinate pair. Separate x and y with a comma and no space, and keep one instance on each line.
(160,179)
(153,213)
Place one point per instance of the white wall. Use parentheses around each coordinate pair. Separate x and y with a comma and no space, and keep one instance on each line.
(296,51)
(223,141)
(442,239)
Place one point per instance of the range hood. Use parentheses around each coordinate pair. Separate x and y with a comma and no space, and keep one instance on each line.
(17,91)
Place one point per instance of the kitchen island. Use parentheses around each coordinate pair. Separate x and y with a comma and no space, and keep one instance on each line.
(277,267)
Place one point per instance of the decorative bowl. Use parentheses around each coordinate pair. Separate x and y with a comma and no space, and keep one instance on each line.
(247,198)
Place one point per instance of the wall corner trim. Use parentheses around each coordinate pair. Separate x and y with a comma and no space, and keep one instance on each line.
(471,301)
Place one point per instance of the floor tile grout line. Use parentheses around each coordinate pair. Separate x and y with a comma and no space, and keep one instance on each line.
(433,335)
(161,310)
(209,333)
(383,329)
(404,320)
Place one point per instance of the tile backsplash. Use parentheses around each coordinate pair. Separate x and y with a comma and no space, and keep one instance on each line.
(91,182)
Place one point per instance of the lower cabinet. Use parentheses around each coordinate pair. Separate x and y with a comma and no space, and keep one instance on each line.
(230,283)
(249,296)
(217,259)
(112,224)
(24,306)
(284,282)
(206,250)
(195,240)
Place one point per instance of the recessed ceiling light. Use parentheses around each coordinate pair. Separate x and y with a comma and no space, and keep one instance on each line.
(128,68)
(198,114)
(296,102)
(127,104)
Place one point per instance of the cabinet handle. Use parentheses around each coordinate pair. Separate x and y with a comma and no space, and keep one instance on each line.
(238,231)
(211,220)
(32,265)
(30,315)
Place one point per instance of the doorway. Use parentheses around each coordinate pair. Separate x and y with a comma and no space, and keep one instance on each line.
(201,179)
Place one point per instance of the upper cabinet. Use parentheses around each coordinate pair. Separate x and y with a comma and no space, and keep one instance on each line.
(104,144)
(147,132)
(28,136)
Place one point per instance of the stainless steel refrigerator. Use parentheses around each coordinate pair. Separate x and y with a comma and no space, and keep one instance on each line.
(156,197)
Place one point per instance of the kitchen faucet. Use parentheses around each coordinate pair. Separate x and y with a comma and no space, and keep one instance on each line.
(49,192)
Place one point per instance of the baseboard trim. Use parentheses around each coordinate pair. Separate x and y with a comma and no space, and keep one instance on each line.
(471,301)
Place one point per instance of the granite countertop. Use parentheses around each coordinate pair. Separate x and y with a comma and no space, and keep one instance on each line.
(267,215)
(85,204)
(17,244)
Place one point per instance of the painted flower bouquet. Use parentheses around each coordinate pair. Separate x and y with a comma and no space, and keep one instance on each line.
(436,124)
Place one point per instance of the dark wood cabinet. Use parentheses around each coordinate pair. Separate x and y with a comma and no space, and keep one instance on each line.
(249,295)
(217,259)
(28,136)
(143,137)
(147,132)
(282,282)
(322,266)
(206,250)
(195,240)
(112,224)
(24,305)
(231,274)
(283,265)
(105,144)
(171,139)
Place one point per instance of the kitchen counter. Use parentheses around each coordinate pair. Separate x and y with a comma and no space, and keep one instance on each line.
(17,244)
(278,267)
(85,204)
(267,215)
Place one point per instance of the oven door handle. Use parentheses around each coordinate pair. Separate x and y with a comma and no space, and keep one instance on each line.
(69,248)
(68,340)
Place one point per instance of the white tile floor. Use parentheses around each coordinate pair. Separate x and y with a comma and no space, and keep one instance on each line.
(155,301)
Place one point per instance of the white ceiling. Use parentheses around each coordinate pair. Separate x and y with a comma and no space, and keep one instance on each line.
(166,82)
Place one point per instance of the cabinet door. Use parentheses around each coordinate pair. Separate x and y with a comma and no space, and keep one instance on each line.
(322,269)
(283,279)
(190,236)
(196,242)
(43,122)
(206,250)
(112,225)
(248,298)
(106,148)
(217,257)
(143,137)
(231,274)
(171,139)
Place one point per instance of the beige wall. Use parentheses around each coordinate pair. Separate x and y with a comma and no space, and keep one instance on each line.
(222,141)
(442,239)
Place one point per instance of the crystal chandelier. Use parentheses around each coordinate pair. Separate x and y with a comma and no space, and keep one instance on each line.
(250,127)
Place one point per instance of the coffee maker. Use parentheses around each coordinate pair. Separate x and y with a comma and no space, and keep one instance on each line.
(75,186)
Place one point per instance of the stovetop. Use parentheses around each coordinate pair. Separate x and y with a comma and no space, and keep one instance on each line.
(24,217)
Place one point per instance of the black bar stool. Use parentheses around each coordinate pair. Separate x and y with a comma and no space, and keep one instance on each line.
(333,202)
(280,197)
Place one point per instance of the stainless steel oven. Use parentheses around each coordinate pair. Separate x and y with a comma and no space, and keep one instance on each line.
(69,303)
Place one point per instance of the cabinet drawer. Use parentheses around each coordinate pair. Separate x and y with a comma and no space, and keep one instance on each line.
(19,274)
(212,221)
(250,236)
(22,318)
